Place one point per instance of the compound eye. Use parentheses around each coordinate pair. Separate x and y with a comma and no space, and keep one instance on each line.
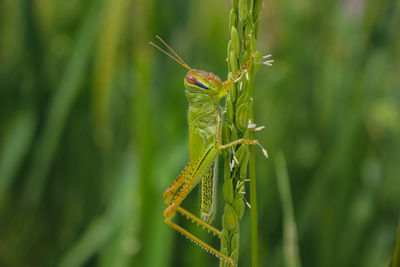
(199,84)
(190,79)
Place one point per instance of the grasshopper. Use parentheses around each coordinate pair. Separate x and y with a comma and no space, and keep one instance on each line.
(204,90)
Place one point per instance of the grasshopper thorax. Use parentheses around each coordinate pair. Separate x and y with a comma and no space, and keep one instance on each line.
(198,81)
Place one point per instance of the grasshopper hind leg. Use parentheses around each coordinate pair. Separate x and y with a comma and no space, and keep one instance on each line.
(197,241)
(185,182)
(208,198)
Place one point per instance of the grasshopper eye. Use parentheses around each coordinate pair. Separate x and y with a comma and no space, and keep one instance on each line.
(199,84)
(191,79)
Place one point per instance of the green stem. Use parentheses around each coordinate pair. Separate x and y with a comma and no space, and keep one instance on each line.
(252,177)
(239,108)
(253,212)
(396,253)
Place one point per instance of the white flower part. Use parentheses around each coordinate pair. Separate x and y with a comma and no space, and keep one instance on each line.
(235,159)
(264,151)
(242,191)
(247,203)
(264,61)
(247,75)
(251,125)
(232,164)
(254,126)
(259,128)
(240,188)
(268,62)
(240,86)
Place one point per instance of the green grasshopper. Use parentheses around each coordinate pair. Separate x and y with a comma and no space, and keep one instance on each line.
(204,90)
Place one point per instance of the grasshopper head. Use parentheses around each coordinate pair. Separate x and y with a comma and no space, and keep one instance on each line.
(198,81)
(202,82)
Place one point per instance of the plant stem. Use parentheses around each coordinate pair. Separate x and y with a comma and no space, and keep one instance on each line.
(244,21)
(290,242)
(253,212)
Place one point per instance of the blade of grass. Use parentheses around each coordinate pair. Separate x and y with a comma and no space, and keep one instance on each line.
(102,229)
(396,253)
(290,243)
(16,144)
(159,230)
(105,68)
(61,105)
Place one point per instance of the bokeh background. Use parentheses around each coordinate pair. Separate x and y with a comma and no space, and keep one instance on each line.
(93,129)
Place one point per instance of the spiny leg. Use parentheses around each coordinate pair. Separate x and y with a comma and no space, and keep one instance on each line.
(208,206)
(199,242)
(190,182)
(192,179)
(195,219)
(171,190)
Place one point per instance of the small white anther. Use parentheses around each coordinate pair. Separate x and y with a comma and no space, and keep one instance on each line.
(266,62)
(240,86)
(235,159)
(247,75)
(231,165)
(265,153)
(259,128)
(251,125)
(248,204)
(263,150)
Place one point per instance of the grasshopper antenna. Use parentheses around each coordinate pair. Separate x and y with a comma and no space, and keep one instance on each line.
(172,50)
(178,59)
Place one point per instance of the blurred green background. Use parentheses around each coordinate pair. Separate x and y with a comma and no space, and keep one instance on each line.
(93,129)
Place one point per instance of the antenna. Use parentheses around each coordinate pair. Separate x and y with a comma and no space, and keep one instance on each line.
(178,59)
